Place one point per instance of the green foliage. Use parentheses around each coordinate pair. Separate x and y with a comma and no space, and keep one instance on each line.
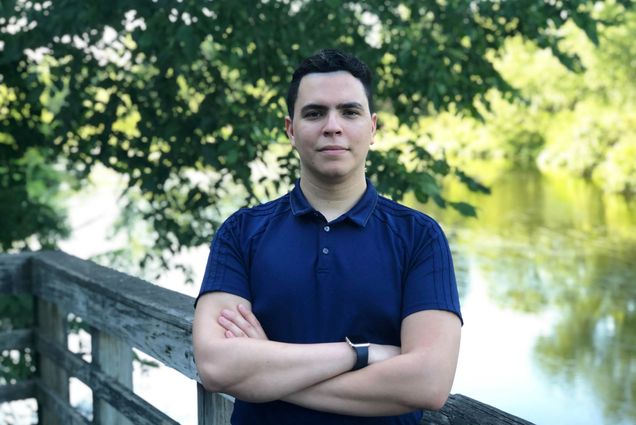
(187,97)
(411,166)
(12,312)
(16,312)
(16,365)
(617,172)
(29,201)
(579,123)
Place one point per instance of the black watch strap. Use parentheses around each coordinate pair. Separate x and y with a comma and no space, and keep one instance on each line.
(362,352)
(362,356)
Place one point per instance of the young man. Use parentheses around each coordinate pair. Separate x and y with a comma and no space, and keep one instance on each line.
(294,289)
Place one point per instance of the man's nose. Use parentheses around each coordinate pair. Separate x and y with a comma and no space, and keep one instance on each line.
(332,125)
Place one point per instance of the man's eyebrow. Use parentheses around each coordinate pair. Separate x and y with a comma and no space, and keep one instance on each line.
(313,106)
(350,105)
(340,106)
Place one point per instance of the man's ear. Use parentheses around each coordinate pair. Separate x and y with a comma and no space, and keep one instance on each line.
(374,126)
(289,129)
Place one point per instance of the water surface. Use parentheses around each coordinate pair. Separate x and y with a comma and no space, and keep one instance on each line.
(547,276)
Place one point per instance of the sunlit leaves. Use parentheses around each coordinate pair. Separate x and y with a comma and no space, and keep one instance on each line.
(157,91)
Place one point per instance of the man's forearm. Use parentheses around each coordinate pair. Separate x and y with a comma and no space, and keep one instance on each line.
(258,371)
(392,387)
(393,383)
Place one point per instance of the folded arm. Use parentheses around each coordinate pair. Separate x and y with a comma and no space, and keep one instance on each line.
(254,369)
(420,377)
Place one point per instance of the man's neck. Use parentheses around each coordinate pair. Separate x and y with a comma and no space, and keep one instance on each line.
(332,199)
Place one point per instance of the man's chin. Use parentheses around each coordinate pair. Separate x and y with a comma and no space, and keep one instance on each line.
(333,176)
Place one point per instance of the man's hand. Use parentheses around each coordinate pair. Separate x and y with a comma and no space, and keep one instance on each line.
(241,324)
(245,324)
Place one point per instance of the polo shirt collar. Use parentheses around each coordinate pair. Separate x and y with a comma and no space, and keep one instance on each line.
(359,214)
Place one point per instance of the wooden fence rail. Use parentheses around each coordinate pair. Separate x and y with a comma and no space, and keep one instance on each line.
(125,312)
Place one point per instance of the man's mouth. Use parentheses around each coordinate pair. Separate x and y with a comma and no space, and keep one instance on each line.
(332,148)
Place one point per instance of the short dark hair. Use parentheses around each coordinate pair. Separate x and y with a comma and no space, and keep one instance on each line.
(330,60)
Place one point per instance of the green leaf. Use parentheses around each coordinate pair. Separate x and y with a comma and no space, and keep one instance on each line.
(464,208)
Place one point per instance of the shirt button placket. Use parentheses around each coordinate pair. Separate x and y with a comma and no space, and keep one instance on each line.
(324,247)
(326,228)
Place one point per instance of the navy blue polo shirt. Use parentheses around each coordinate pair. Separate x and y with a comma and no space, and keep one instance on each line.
(313,281)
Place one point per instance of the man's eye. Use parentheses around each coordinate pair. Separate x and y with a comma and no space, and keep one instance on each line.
(312,114)
(350,113)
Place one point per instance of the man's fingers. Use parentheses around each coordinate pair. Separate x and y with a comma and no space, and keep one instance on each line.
(250,317)
(239,321)
(242,323)
(230,326)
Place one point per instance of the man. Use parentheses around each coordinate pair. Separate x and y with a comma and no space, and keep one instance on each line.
(294,288)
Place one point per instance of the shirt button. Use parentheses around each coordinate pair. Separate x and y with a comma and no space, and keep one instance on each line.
(325,251)
(327,228)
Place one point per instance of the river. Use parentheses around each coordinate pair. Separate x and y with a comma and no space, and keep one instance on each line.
(547,278)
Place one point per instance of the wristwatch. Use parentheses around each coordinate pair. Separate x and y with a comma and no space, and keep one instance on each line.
(361,348)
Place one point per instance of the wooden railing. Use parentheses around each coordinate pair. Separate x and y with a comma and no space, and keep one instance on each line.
(125,312)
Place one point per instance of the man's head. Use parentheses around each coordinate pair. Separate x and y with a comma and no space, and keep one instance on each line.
(330,123)
(330,60)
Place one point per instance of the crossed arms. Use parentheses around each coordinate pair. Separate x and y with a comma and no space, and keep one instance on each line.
(234,356)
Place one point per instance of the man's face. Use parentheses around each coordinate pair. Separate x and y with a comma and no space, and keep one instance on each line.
(332,128)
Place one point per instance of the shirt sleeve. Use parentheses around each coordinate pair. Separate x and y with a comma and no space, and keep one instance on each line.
(226,268)
(430,282)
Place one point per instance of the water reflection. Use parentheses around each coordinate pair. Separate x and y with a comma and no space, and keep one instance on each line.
(559,248)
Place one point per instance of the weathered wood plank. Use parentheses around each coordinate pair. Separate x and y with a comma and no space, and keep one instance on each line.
(15,273)
(139,411)
(113,357)
(17,391)
(462,410)
(213,408)
(155,320)
(51,324)
(16,339)
(52,402)
(216,409)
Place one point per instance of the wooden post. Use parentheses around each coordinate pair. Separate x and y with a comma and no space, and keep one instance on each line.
(213,408)
(115,358)
(51,324)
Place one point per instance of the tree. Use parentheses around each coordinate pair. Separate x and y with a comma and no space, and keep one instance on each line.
(563,122)
(186,98)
